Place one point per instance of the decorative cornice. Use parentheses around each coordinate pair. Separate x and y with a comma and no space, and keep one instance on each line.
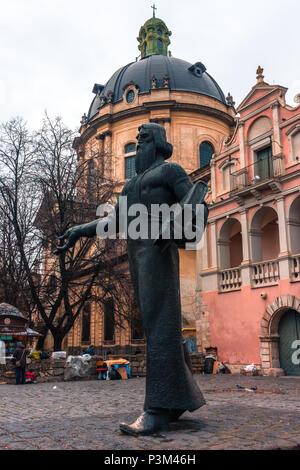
(294,128)
(275,105)
(257,139)
(111,118)
(257,111)
(289,121)
(271,90)
(228,161)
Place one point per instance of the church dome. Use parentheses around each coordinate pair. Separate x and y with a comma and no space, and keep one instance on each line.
(181,76)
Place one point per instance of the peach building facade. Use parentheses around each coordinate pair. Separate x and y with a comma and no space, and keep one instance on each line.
(188,102)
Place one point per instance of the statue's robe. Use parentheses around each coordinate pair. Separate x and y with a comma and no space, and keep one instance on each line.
(155,278)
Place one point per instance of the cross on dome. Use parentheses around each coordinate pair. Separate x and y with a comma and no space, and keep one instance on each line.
(154,8)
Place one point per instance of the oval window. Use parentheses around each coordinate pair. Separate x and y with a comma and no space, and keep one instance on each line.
(130,96)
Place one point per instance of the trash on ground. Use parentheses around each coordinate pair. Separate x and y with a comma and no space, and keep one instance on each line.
(59,355)
(252,389)
(77,366)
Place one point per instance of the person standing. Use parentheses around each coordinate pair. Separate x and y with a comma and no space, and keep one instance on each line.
(20,357)
(90,350)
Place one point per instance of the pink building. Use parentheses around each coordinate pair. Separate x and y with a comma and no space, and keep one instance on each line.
(249,269)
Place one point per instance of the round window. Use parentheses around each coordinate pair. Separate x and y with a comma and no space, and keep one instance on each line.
(130,96)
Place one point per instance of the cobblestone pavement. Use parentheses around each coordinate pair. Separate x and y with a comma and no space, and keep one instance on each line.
(86,415)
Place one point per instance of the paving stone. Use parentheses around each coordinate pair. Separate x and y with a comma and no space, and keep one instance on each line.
(86,415)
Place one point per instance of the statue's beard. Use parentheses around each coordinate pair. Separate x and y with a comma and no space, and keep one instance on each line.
(145,157)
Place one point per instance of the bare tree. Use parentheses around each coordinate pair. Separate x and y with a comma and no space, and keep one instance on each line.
(44,190)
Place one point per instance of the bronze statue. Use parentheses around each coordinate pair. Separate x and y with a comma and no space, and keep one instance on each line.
(154,267)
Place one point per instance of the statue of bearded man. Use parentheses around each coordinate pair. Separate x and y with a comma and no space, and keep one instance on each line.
(170,387)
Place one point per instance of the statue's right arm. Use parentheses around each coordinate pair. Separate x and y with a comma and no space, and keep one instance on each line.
(90,229)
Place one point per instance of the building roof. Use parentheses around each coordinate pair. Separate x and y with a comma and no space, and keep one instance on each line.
(181,76)
(10,310)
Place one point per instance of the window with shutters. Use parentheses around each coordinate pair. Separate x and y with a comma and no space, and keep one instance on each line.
(130,151)
(206,151)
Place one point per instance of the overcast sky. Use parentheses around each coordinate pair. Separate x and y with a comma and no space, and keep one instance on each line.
(53,51)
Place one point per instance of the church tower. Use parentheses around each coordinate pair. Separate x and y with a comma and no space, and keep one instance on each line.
(154,37)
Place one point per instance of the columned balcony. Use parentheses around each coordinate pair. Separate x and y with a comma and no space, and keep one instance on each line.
(261,274)
(257,177)
(230,280)
(257,250)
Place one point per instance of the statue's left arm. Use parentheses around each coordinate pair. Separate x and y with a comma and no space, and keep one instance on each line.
(188,193)
(177,180)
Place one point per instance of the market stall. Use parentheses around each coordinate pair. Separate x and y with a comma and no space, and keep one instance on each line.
(13,328)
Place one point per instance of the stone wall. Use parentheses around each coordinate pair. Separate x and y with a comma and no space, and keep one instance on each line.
(46,370)
(52,370)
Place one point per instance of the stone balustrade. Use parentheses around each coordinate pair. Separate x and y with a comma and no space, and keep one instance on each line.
(265,273)
(230,280)
(295,268)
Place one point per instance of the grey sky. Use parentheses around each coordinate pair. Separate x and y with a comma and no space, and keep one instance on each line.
(53,51)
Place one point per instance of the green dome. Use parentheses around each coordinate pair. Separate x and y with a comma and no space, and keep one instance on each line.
(155,21)
(154,38)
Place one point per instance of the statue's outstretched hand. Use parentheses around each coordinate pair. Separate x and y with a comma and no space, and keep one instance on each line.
(71,236)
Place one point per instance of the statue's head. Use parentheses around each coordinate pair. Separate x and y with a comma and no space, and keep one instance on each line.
(152,146)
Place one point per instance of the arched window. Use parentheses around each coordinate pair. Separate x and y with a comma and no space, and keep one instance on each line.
(230,244)
(160,46)
(137,330)
(294,226)
(91,173)
(86,324)
(109,321)
(206,151)
(52,283)
(130,150)
(264,235)
(260,126)
(295,140)
(226,169)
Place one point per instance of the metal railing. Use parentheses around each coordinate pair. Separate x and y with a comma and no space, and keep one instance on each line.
(257,172)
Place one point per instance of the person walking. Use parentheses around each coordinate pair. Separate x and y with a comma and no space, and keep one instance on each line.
(20,357)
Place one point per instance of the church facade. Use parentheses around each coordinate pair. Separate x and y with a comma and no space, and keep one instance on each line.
(241,288)
(189,103)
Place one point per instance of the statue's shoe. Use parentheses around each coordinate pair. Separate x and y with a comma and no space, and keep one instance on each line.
(147,423)
(174,415)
